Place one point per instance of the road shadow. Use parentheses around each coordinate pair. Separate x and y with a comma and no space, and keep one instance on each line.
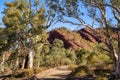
(50,79)
(3,77)
(60,77)
(35,78)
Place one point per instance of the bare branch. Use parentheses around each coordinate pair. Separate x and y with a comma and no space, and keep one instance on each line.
(73,23)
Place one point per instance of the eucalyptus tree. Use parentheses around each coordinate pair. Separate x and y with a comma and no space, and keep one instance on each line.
(62,10)
(116,12)
(102,7)
(24,21)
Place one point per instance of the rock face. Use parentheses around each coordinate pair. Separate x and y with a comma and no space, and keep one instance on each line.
(59,35)
(90,35)
(75,39)
(84,38)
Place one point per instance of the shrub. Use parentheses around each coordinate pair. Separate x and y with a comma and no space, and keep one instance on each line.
(27,72)
(102,72)
(38,70)
(101,78)
(72,67)
(81,71)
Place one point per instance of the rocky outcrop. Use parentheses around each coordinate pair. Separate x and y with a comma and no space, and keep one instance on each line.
(74,39)
(90,35)
(57,34)
(79,39)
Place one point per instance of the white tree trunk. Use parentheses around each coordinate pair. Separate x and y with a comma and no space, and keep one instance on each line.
(16,63)
(30,59)
(23,64)
(37,55)
(2,63)
(117,68)
(115,54)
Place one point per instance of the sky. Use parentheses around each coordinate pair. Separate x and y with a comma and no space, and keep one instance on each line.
(59,24)
(2,2)
(1,8)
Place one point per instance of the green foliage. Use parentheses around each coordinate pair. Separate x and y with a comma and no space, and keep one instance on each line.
(55,55)
(38,70)
(71,55)
(58,43)
(93,58)
(101,78)
(26,73)
(115,3)
(24,28)
(95,62)
(82,56)
(72,67)
(81,71)
(3,40)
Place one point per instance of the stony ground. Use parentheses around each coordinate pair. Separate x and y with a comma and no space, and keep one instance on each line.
(59,73)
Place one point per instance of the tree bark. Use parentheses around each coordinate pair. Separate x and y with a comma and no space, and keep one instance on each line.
(23,64)
(37,55)
(115,58)
(117,68)
(15,67)
(2,63)
(30,59)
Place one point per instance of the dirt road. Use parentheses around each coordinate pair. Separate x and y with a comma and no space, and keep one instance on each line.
(59,73)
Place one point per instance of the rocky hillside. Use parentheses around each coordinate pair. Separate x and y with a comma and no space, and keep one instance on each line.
(85,38)
(90,35)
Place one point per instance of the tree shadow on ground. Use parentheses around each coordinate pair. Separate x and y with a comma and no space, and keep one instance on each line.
(51,79)
(3,77)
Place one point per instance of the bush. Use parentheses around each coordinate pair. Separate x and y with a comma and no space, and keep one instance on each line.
(72,67)
(38,70)
(101,78)
(81,71)
(27,73)
(79,68)
(102,72)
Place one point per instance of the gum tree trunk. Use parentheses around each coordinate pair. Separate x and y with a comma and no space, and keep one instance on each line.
(30,59)
(23,64)
(117,68)
(2,63)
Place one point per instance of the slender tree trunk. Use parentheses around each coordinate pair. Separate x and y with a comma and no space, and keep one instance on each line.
(17,63)
(117,68)
(23,64)
(2,63)
(37,55)
(30,59)
(115,58)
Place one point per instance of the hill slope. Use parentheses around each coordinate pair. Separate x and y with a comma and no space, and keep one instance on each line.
(85,38)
